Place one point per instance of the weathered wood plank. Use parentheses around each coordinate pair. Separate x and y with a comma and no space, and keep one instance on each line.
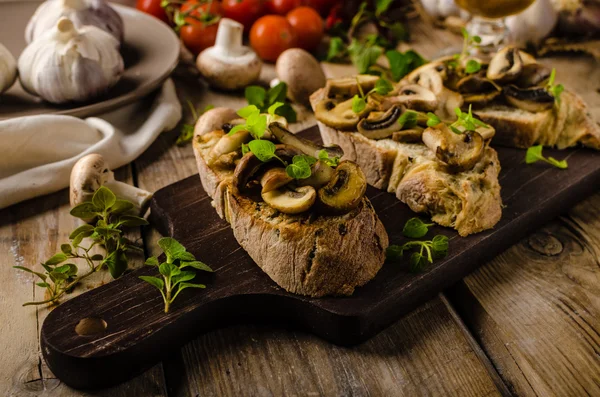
(536,308)
(30,233)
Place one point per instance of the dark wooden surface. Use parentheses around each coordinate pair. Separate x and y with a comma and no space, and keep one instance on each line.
(138,331)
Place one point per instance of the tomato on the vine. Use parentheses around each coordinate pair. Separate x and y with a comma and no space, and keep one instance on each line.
(201,24)
(281,7)
(271,35)
(243,11)
(153,8)
(308,26)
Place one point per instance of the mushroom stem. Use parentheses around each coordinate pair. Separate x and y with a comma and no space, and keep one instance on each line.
(229,38)
(124,191)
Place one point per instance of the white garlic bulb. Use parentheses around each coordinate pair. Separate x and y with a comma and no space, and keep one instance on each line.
(8,69)
(69,64)
(81,12)
(533,24)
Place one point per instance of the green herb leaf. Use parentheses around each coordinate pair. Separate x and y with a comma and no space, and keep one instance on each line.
(183,286)
(383,87)
(171,247)
(330,161)
(152,261)
(56,259)
(103,198)
(439,246)
(197,265)
(287,111)
(358,104)
(274,107)
(40,275)
(183,277)
(337,49)
(363,56)
(263,150)
(417,262)
(255,95)
(300,167)
(121,206)
(408,119)
(403,63)
(66,249)
(432,120)
(239,127)
(277,93)
(83,229)
(534,154)
(415,228)
(132,221)
(248,111)
(394,252)
(155,281)
(382,6)
(116,263)
(472,66)
(85,211)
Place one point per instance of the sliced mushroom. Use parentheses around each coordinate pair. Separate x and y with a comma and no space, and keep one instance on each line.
(227,161)
(338,116)
(274,179)
(345,190)
(249,165)
(383,126)
(291,200)
(214,119)
(477,89)
(321,174)
(228,144)
(533,74)
(448,102)
(527,58)
(459,151)
(430,76)
(308,147)
(348,87)
(533,99)
(416,97)
(408,136)
(505,66)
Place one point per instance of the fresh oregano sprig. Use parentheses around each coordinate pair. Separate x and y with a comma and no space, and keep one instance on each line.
(555,90)
(265,99)
(424,252)
(173,278)
(534,154)
(472,65)
(359,102)
(111,216)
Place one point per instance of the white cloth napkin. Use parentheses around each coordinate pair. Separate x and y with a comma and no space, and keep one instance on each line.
(38,152)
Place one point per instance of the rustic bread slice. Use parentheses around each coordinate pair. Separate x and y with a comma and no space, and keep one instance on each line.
(564,125)
(467,201)
(304,254)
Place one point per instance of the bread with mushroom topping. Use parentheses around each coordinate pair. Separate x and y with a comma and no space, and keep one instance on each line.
(307,253)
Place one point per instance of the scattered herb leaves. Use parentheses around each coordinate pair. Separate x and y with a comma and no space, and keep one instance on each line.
(264,99)
(300,167)
(555,90)
(174,278)
(408,119)
(534,154)
(415,228)
(187,130)
(330,161)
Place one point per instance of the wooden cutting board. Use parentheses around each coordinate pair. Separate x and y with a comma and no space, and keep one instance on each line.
(138,333)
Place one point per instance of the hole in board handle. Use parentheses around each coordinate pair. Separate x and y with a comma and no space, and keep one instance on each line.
(90,326)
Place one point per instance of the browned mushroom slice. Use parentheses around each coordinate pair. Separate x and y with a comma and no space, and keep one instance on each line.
(348,87)
(533,74)
(344,191)
(478,90)
(408,136)
(228,144)
(249,165)
(308,147)
(339,116)
(274,179)
(321,174)
(505,66)
(383,126)
(291,200)
(459,151)
(533,99)
(416,97)
(430,76)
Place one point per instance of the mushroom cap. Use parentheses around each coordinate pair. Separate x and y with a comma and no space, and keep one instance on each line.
(227,73)
(213,120)
(88,174)
(301,72)
(291,200)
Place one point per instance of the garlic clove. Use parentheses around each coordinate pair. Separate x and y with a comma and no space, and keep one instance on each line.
(8,69)
(70,64)
(81,12)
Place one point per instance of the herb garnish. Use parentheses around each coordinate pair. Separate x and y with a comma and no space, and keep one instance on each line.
(112,215)
(467,121)
(174,279)
(472,66)
(425,251)
(187,130)
(300,167)
(534,154)
(408,119)
(359,102)
(263,100)
(330,161)
(432,119)
(555,90)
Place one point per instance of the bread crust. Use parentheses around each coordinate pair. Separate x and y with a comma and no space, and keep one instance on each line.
(304,254)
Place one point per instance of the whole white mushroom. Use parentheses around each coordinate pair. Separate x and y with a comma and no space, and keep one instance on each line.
(301,72)
(8,69)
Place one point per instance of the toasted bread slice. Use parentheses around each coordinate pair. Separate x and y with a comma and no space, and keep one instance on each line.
(468,201)
(564,125)
(307,254)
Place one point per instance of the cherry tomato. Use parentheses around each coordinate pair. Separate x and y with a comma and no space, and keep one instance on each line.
(200,30)
(243,11)
(271,35)
(322,6)
(153,8)
(308,25)
(281,7)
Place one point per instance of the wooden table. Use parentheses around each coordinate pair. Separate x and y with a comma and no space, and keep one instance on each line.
(526,323)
